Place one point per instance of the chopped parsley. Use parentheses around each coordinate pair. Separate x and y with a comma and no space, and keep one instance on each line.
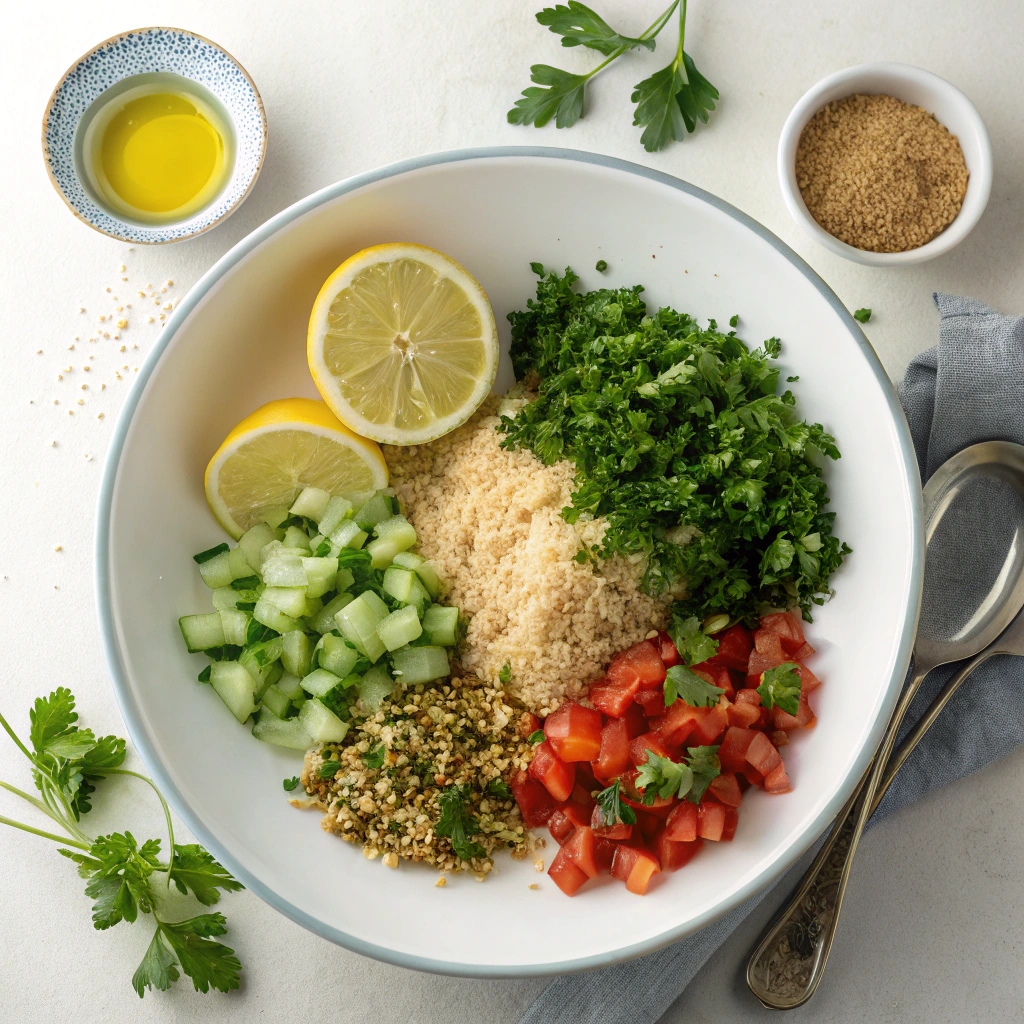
(499,788)
(290,784)
(329,769)
(374,758)
(682,440)
(611,809)
(205,556)
(781,686)
(505,675)
(862,315)
(692,643)
(537,736)
(662,777)
(601,266)
(682,682)
(457,824)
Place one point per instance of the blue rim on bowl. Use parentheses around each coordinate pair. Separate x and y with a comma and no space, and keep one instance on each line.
(146,51)
(132,713)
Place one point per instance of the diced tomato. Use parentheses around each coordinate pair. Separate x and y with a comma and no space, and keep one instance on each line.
(732,753)
(743,714)
(581,850)
(761,755)
(681,824)
(769,644)
(641,661)
(566,874)
(577,812)
(587,780)
(803,653)
(635,866)
(732,819)
(803,719)
(788,628)
(710,725)
(557,776)
(619,831)
(667,649)
(651,701)
(710,820)
(604,850)
(673,855)
(760,663)
(560,826)
(777,781)
(676,724)
(639,746)
(613,699)
(809,682)
(726,790)
(660,805)
(613,758)
(527,724)
(734,647)
(574,732)
(636,720)
(779,737)
(748,695)
(716,675)
(535,803)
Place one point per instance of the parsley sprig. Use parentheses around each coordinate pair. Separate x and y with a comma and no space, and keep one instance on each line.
(781,686)
(611,808)
(123,877)
(456,823)
(662,777)
(668,104)
(682,683)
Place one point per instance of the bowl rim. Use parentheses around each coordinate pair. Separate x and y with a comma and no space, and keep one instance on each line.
(979,184)
(134,720)
(48,110)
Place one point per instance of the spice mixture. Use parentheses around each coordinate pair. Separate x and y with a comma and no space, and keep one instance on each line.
(880,174)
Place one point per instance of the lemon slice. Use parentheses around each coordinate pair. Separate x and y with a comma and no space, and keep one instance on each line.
(279,449)
(402,343)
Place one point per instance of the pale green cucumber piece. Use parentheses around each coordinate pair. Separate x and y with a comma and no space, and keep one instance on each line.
(239,564)
(407,560)
(314,605)
(270,615)
(201,632)
(281,570)
(253,541)
(441,624)
(338,508)
(296,651)
(375,604)
(382,551)
(225,598)
(290,600)
(235,624)
(358,623)
(324,620)
(274,673)
(259,660)
(296,538)
(235,687)
(398,582)
(348,535)
(397,529)
(418,596)
(420,664)
(322,724)
(320,575)
(374,511)
(291,686)
(216,571)
(275,517)
(375,687)
(401,627)
(320,682)
(336,655)
(288,733)
(312,503)
(344,579)
(276,701)
(430,580)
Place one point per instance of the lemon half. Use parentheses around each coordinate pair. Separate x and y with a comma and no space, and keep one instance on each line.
(402,343)
(279,449)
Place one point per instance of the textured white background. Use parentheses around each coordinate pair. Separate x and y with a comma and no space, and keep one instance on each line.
(935,918)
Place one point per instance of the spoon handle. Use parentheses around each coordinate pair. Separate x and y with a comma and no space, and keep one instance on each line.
(789,961)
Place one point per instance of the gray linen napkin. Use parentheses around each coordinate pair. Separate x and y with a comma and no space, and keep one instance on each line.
(969,388)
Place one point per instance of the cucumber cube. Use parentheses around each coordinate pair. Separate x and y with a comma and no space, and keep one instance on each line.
(225,599)
(324,620)
(338,508)
(235,687)
(296,538)
(397,529)
(321,574)
(418,596)
(401,627)
(420,664)
(253,541)
(337,656)
(260,660)
(344,579)
(275,517)
(375,604)
(320,682)
(375,511)
(290,600)
(322,724)
(281,570)
(375,687)
(296,651)
(275,701)
(382,552)
(358,623)
(202,632)
(441,624)
(314,605)
(239,564)
(312,503)
(429,578)
(348,535)
(398,582)
(407,560)
(274,673)
(268,614)
(235,624)
(289,733)
(216,571)
(291,686)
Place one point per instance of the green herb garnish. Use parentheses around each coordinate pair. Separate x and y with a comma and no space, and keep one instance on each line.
(682,682)
(536,737)
(611,808)
(246,583)
(329,769)
(601,266)
(205,556)
(374,758)
(781,686)
(505,675)
(661,777)
(692,643)
(204,676)
(862,315)
(704,763)
(500,789)
(290,784)
(456,823)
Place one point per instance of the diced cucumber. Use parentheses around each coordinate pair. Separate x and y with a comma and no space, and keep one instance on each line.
(275,517)
(397,529)
(235,687)
(296,538)
(314,605)
(344,579)
(259,659)
(320,574)
(398,582)
(312,503)
(324,620)
(320,682)
(296,651)
(375,511)
(290,686)
(420,664)
(407,560)
(322,724)
(225,598)
(290,600)
(277,702)
(274,673)
(375,687)
(288,733)
(337,656)
(235,624)
(401,627)
(202,632)
(239,564)
(382,551)
(270,615)
(337,509)
(418,595)
(375,604)
(358,623)
(441,624)
(216,571)
(253,541)
(281,570)
(347,534)
(429,578)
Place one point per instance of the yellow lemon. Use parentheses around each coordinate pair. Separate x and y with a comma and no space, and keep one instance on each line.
(279,449)
(402,343)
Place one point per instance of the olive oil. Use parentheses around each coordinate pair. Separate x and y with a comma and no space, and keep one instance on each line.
(158,149)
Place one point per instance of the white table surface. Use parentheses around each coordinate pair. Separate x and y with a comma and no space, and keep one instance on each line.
(934,923)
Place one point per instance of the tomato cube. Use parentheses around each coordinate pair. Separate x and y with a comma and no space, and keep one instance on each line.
(667,649)
(613,699)
(574,732)
(681,824)
(761,755)
(548,768)
(710,820)
(732,753)
(726,790)
(769,644)
(734,647)
(803,719)
(566,874)
(743,714)
(641,661)
(672,855)
(748,695)
(536,804)
(613,758)
(578,812)
(760,663)
(581,850)
(601,831)
(561,826)
(639,746)
(710,724)
(787,627)
(636,720)
(808,680)
(604,850)
(651,701)
(777,781)
(803,653)
(636,866)
(732,819)
(779,738)
(676,724)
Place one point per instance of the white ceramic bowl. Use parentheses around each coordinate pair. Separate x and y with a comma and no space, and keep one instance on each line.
(912,85)
(238,340)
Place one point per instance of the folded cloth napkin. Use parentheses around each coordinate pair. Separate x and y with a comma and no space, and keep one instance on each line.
(969,388)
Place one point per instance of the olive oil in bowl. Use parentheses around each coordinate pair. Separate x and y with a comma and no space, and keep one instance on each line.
(156,148)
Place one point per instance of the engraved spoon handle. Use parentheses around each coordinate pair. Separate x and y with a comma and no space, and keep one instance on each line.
(789,961)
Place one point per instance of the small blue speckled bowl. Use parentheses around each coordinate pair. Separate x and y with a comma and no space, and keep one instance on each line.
(146,51)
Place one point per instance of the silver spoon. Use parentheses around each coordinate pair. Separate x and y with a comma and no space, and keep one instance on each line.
(789,961)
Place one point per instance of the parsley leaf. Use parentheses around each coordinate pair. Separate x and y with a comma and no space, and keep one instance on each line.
(862,315)
(500,789)
(611,809)
(537,736)
(118,870)
(329,769)
(704,763)
(505,675)
(578,25)
(456,823)
(208,963)
(683,682)
(51,717)
(374,758)
(601,266)
(193,869)
(781,686)
(158,969)
(692,643)
(290,784)
(662,777)
(561,98)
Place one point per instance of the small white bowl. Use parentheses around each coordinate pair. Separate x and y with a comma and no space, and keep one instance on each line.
(912,85)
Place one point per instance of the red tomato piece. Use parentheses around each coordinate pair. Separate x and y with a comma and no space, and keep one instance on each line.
(641,661)
(582,852)
(557,776)
(574,732)
(726,790)
(760,663)
(535,803)
(613,758)
(577,812)
(803,653)
(613,700)
(560,825)
(732,753)
(566,874)
(676,724)
(779,737)
(639,746)
(636,866)
(658,806)
(808,680)
(636,720)
(710,820)
(667,649)
(732,819)
(769,644)
(788,628)
(712,723)
(803,719)
(620,831)
(748,695)
(672,855)
(604,850)
(743,714)
(734,647)
(761,755)
(777,781)
(652,702)
(527,725)
(681,824)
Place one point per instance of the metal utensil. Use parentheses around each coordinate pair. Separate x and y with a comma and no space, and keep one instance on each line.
(789,960)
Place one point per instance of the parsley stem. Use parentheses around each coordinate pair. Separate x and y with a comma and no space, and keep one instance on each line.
(649,33)
(33,801)
(682,37)
(63,840)
(14,736)
(50,791)
(167,813)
